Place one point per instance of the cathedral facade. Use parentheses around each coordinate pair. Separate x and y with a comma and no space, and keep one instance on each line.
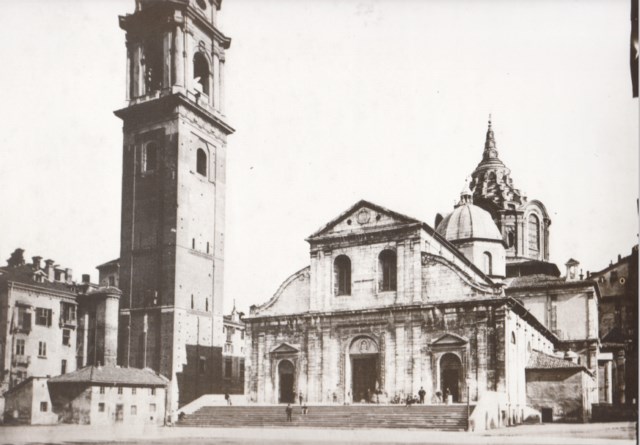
(390,305)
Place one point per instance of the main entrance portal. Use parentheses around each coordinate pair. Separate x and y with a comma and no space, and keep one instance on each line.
(450,372)
(364,369)
(285,378)
(364,378)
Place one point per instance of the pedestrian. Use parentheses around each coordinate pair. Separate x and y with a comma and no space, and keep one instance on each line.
(289,411)
(305,409)
(446,396)
(300,397)
(422,393)
(227,398)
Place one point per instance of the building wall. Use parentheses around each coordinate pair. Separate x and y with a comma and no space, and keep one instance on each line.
(31,403)
(85,403)
(575,309)
(567,392)
(32,363)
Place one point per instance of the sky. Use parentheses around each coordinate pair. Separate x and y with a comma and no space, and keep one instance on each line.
(332,102)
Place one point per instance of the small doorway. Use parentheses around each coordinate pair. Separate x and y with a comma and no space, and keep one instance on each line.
(547,415)
(450,374)
(285,375)
(119,412)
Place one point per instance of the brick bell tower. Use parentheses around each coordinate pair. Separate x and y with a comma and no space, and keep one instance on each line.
(173,195)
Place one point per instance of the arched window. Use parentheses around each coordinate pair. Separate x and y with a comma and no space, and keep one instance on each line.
(513,338)
(201,162)
(201,72)
(152,65)
(387,270)
(534,234)
(149,157)
(342,275)
(486,257)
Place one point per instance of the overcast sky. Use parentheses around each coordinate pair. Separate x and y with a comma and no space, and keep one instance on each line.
(333,101)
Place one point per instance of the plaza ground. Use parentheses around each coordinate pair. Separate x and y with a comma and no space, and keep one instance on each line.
(565,434)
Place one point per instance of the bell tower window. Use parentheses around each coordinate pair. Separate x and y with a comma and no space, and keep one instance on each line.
(149,157)
(201,162)
(201,72)
(342,275)
(387,270)
(152,65)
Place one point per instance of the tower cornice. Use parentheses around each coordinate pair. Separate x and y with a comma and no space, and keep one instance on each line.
(148,109)
(132,22)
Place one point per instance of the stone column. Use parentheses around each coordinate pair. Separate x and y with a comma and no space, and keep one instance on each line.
(221,87)
(137,74)
(327,371)
(500,348)
(620,371)
(178,56)
(263,370)
(481,358)
(389,364)
(416,358)
(608,374)
(401,272)
(215,93)
(400,358)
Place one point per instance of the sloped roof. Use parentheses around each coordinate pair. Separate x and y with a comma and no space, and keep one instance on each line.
(540,360)
(362,203)
(24,274)
(111,375)
(542,281)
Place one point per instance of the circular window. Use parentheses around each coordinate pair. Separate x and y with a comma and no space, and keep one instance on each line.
(202,4)
(622,280)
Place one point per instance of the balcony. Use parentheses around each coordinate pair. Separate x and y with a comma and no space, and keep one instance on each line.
(68,323)
(23,361)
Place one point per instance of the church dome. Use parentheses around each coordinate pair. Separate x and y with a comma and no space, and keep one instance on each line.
(468,221)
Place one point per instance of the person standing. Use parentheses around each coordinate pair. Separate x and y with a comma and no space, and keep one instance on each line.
(422,393)
(300,397)
(289,411)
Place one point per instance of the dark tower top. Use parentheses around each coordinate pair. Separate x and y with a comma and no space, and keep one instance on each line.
(491,180)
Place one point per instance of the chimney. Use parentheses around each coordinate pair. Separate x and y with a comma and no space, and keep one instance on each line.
(619,258)
(49,270)
(69,273)
(36,262)
(86,278)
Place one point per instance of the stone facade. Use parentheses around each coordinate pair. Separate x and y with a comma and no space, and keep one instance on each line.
(173,195)
(442,324)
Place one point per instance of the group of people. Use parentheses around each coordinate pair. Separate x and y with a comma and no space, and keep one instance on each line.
(416,399)
(289,410)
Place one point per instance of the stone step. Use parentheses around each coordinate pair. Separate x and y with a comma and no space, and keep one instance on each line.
(441,417)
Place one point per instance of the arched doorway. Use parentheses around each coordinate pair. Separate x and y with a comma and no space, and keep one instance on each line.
(450,375)
(285,379)
(363,353)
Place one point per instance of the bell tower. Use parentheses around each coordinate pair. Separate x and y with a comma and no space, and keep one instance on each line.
(173,195)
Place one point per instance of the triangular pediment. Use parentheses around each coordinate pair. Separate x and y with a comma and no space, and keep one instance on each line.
(285,348)
(449,340)
(363,216)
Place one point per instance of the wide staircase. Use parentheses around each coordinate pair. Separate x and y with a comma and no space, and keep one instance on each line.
(440,417)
